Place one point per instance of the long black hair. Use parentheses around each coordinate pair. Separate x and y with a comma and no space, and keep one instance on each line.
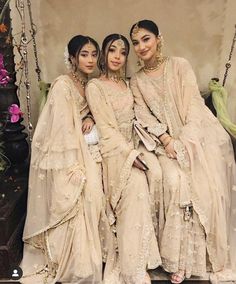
(147,25)
(107,42)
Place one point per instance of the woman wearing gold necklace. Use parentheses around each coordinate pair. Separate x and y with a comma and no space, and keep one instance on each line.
(125,183)
(63,241)
(196,157)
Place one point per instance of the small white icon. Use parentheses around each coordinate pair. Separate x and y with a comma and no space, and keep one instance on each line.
(15,273)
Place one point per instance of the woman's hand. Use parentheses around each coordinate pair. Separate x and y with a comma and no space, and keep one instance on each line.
(138,164)
(168,143)
(87,125)
(170,151)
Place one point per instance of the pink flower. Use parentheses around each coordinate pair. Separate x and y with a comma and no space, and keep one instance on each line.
(4,78)
(1,61)
(15,112)
(4,72)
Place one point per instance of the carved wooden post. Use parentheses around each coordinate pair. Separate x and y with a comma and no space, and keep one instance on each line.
(16,146)
(13,186)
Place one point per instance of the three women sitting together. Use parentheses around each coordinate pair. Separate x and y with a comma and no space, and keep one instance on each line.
(155,190)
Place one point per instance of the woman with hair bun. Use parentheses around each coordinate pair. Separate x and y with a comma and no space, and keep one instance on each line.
(125,183)
(66,228)
(196,158)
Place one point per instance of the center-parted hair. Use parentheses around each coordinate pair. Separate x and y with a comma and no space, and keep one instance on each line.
(107,42)
(78,42)
(147,25)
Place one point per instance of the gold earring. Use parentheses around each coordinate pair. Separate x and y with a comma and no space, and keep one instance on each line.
(159,49)
(159,46)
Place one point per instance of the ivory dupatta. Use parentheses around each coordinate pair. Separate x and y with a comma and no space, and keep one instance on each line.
(209,158)
(65,194)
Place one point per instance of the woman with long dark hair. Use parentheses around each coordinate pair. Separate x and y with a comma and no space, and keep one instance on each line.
(125,183)
(196,158)
(63,240)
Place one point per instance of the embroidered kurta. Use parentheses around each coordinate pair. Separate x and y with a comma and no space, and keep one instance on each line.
(66,227)
(203,174)
(126,187)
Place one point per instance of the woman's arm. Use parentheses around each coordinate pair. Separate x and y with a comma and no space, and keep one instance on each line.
(148,120)
(143,113)
(111,140)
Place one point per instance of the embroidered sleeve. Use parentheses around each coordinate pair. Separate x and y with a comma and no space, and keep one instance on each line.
(111,140)
(55,140)
(143,113)
(158,130)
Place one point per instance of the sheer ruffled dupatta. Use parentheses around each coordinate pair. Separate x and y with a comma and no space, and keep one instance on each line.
(65,195)
(209,153)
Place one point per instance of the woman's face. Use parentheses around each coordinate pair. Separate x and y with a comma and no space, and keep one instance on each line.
(116,55)
(145,44)
(87,58)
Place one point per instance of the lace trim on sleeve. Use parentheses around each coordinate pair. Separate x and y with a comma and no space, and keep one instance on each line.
(158,130)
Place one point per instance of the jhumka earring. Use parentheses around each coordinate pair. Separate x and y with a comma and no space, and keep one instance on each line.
(159,47)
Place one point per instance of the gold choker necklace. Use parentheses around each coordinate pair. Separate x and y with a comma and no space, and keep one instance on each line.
(114,77)
(156,66)
(81,78)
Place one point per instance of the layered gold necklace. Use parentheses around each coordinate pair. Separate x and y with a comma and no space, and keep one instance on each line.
(156,65)
(115,77)
(81,78)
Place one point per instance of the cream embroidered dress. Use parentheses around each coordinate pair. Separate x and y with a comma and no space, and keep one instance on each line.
(203,176)
(126,187)
(65,201)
